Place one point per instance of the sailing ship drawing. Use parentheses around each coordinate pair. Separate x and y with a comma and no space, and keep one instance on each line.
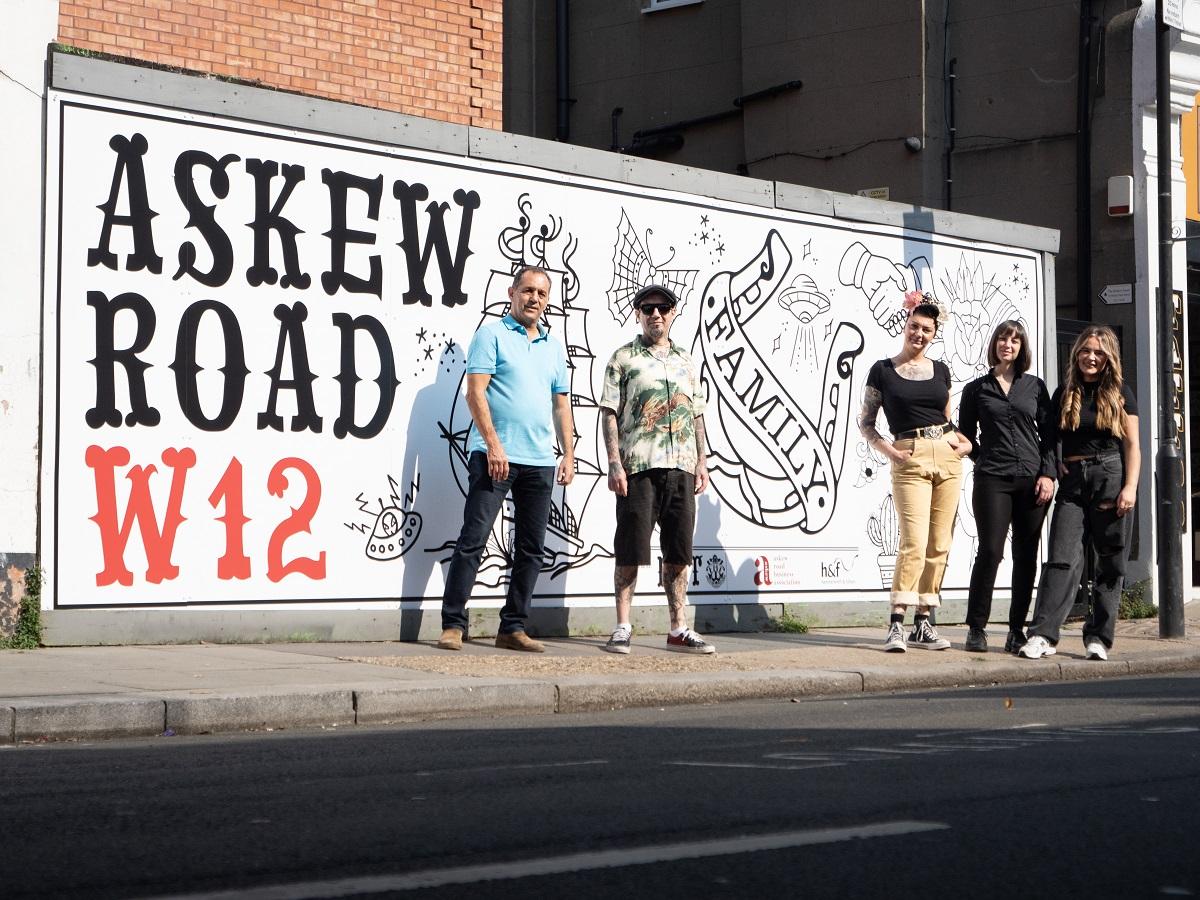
(548,247)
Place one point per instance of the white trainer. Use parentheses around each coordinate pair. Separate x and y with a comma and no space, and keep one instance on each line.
(1036,647)
(1095,649)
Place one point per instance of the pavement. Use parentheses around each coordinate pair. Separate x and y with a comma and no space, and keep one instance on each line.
(93,693)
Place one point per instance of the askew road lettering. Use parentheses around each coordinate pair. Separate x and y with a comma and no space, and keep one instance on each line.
(425,235)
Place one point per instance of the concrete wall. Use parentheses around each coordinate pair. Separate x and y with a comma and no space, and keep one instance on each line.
(30,26)
(436,59)
(874,73)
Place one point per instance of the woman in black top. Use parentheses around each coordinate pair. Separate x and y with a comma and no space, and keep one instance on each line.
(1096,415)
(1014,477)
(926,456)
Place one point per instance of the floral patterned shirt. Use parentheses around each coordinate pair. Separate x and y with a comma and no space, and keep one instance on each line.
(657,402)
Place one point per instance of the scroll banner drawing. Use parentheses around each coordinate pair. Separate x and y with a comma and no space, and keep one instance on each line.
(255,348)
(806,454)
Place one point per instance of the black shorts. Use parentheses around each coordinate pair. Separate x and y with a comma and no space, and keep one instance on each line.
(666,497)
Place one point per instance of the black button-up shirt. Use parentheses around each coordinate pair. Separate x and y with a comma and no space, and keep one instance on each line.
(1013,434)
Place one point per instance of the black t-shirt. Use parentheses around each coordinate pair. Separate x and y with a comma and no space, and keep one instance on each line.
(911,404)
(1087,439)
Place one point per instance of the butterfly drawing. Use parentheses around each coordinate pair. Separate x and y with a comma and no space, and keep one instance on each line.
(633,269)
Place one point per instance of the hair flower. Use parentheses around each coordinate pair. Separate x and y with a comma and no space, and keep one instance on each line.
(913,299)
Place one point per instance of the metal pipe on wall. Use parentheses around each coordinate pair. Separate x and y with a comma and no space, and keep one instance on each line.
(1083,167)
(562,66)
(1168,468)
(948,78)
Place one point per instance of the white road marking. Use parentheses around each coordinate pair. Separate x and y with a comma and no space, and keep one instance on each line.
(818,764)
(425,773)
(574,862)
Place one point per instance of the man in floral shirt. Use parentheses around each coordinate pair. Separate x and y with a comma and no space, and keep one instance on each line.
(652,410)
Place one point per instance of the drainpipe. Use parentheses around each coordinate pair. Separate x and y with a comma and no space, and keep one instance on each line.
(948,76)
(1168,468)
(1083,167)
(562,70)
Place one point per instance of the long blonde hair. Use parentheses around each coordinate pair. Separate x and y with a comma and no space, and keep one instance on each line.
(1110,405)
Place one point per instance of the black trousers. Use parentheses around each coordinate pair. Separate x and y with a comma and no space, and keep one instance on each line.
(1000,503)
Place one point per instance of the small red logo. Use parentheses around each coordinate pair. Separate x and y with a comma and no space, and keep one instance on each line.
(762,571)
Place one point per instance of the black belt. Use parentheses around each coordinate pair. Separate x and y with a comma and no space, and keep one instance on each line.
(1095,457)
(929,431)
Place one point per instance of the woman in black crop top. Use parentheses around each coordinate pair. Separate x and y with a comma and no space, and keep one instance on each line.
(926,455)
(1007,415)
(1096,418)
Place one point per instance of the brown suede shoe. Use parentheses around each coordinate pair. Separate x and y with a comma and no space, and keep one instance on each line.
(519,640)
(451,639)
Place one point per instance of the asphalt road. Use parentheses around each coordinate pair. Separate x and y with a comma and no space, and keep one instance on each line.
(1042,790)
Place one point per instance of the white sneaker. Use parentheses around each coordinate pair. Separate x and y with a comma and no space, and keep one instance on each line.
(1095,648)
(895,642)
(1036,647)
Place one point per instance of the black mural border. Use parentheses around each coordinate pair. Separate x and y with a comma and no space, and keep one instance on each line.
(337,142)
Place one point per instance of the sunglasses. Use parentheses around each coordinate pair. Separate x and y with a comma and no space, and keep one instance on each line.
(661,308)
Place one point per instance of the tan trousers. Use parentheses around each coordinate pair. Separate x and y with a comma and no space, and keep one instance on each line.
(925,490)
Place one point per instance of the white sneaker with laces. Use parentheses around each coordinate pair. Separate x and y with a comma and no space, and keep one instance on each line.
(1095,649)
(1036,647)
(895,643)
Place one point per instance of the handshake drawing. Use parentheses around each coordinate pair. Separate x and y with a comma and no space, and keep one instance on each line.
(883,283)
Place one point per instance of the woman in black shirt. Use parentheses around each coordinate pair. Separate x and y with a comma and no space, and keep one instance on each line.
(1014,478)
(1096,415)
(926,456)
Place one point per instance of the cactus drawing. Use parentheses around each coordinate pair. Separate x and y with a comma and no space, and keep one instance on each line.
(883,529)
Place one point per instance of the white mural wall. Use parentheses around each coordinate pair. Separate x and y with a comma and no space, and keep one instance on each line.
(255,348)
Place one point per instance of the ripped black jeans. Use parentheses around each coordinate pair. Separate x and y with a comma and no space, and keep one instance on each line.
(1086,507)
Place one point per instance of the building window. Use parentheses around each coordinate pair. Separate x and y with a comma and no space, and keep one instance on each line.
(649,6)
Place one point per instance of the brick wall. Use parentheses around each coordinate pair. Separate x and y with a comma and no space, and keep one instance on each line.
(435,58)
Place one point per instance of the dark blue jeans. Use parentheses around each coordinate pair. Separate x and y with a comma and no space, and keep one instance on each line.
(531,488)
(1086,506)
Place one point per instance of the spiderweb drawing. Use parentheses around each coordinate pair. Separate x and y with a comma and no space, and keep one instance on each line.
(633,269)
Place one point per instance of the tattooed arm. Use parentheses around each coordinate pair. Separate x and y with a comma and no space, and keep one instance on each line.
(701,456)
(872,401)
(617,482)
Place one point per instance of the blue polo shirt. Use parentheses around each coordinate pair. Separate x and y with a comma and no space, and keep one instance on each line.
(525,377)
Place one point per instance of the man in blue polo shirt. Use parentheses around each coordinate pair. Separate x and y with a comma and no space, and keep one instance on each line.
(519,396)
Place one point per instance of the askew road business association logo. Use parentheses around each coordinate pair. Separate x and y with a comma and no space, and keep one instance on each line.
(762,571)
